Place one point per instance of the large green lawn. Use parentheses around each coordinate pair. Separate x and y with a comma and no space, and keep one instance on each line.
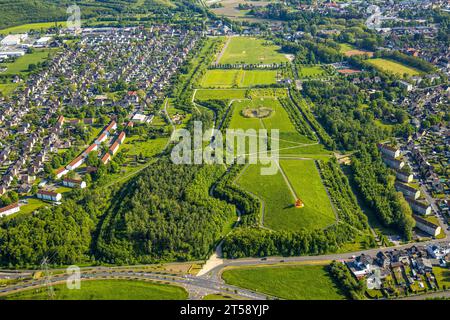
(280,212)
(251,50)
(291,142)
(237,78)
(7,88)
(20,66)
(32,26)
(310,71)
(393,67)
(107,290)
(306,282)
(220,94)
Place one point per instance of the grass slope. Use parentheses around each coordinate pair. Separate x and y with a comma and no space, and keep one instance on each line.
(108,290)
(307,282)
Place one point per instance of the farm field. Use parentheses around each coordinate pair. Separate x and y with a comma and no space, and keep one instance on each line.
(32,26)
(20,66)
(310,71)
(280,212)
(303,282)
(107,290)
(238,78)
(251,51)
(393,67)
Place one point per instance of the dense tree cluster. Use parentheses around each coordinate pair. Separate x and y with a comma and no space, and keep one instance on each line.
(376,185)
(256,242)
(164,214)
(353,288)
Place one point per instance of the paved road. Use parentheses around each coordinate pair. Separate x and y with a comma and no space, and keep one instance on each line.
(200,286)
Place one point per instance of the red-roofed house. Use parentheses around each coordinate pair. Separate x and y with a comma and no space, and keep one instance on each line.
(12,208)
(106,158)
(114,148)
(121,137)
(48,195)
(75,163)
(61,172)
(90,149)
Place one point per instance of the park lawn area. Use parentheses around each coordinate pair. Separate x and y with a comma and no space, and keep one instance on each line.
(251,51)
(220,94)
(307,183)
(107,290)
(7,88)
(305,282)
(33,26)
(20,66)
(310,71)
(290,140)
(258,77)
(135,145)
(237,78)
(280,212)
(32,205)
(393,67)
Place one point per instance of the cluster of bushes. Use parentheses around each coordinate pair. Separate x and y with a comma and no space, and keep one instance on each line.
(353,288)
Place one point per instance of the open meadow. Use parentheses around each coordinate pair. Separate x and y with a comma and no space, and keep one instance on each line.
(280,212)
(393,67)
(238,78)
(251,51)
(294,282)
(107,290)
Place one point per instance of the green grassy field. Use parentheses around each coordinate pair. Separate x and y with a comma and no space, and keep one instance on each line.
(291,142)
(279,202)
(393,67)
(7,88)
(310,72)
(32,26)
(229,94)
(20,66)
(306,282)
(251,50)
(107,290)
(237,78)
(220,94)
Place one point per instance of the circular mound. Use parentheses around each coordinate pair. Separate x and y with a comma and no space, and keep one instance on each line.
(260,112)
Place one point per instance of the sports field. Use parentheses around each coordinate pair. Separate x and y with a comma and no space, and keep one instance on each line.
(310,71)
(393,67)
(280,212)
(303,282)
(237,78)
(107,290)
(251,51)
